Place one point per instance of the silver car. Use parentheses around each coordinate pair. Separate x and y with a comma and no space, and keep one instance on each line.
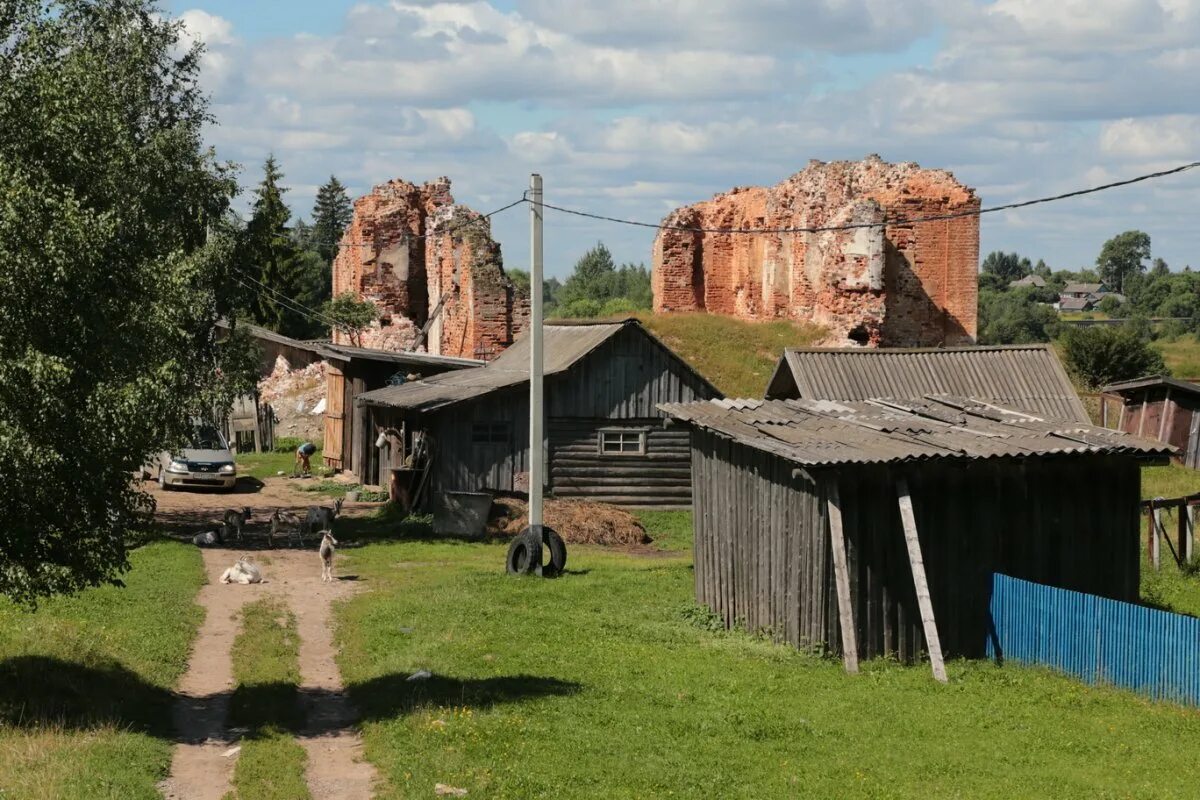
(206,463)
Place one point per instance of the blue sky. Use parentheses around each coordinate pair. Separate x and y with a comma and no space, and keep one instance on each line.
(632,107)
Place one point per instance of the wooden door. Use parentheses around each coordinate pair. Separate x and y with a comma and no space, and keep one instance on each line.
(335,416)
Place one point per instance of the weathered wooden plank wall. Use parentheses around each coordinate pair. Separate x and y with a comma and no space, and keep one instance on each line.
(762,556)
(661,477)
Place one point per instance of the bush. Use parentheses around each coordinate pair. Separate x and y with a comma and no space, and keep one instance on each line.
(1103,354)
(287,444)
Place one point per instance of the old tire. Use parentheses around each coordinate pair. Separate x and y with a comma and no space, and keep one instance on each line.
(524,554)
(558,552)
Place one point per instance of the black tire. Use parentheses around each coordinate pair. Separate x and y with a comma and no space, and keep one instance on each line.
(524,554)
(558,552)
(162,480)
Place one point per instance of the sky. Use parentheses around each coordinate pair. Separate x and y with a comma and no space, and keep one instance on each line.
(631,108)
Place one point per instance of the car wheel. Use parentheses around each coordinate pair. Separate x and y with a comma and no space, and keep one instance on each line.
(162,480)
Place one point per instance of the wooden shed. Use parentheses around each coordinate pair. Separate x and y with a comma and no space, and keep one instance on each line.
(350,372)
(1028,377)
(605,440)
(1160,408)
(272,345)
(990,490)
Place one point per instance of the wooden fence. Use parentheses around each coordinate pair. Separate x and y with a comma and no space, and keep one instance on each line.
(1184,547)
(1100,641)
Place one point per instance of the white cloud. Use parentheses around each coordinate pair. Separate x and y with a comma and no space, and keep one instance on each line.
(1174,136)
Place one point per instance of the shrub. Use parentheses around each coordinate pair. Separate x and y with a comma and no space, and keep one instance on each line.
(1103,354)
(287,444)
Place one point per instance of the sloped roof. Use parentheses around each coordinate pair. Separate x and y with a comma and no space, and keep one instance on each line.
(1026,377)
(1142,383)
(1030,280)
(1083,288)
(820,433)
(563,345)
(1075,303)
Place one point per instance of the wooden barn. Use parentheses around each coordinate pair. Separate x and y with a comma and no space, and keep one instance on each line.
(605,439)
(1028,377)
(1165,409)
(799,502)
(352,371)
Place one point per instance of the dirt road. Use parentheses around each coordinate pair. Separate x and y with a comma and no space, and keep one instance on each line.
(200,768)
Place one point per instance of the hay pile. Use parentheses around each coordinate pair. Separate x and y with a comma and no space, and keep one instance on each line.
(576,521)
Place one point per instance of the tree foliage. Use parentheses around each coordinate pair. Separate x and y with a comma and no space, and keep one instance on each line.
(351,314)
(1007,267)
(1015,317)
(597,287)
(1122,256)
(331,214)
(116,267)
(1103,354)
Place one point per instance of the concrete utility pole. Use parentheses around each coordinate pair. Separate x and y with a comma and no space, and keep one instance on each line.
(536,405)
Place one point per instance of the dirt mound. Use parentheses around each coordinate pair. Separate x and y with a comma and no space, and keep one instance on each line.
(577,521)
(294,395)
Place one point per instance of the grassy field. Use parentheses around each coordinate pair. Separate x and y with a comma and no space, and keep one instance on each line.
(265,703)
(85,682)
(739,357)
(1182,355)
(267,465)
(610,683)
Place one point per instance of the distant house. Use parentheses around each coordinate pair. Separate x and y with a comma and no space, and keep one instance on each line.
(1026,376)
(1083,290)
(1029,280)
(1076,303)
(605,439)
(1166,409)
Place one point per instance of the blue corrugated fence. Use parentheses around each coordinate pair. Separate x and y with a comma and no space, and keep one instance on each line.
(1100,641)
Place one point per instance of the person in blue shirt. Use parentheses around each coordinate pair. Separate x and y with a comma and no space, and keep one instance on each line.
(303,453)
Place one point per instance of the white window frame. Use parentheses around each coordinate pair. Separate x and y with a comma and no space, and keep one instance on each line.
(623,437)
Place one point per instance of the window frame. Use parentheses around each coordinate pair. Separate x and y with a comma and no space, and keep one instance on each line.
(497,433)
(623,434)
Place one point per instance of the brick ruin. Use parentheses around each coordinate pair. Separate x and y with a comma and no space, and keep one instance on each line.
(417,257)
(898,285)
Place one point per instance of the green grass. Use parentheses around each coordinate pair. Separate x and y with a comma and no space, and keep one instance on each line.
(1181,355)
(85,703)
(267,465)
(739,357)
(267,670)
(671,530)
(610,683)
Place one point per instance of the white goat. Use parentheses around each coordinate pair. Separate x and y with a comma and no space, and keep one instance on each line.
(285,520)
(327,550)
(242,572)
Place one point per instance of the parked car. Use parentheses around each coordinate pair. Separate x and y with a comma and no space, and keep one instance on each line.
(207,462)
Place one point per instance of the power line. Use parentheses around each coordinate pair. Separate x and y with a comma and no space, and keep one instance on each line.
(292,305)
(885,222)
(410,237)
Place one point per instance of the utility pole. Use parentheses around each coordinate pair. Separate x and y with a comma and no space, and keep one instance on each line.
(536,396)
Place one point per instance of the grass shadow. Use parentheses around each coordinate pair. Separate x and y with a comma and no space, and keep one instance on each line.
(389,696)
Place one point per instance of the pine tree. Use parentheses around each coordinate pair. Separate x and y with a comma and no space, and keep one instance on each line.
(331,214)
(272,256)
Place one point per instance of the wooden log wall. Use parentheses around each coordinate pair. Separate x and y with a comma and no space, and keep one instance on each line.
(578,470)
(762,557)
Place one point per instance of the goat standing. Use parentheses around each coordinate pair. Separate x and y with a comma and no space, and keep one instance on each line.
(281,520)
(327,550)
(320,518)
(235,520)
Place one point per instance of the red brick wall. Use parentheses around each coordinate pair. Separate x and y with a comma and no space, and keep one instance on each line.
(914,285)
(407,277)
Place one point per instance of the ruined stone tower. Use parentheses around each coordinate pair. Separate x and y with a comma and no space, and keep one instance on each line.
(902,284)
(408,251)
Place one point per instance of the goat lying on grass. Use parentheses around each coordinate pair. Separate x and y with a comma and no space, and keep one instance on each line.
(242,572)
(327,550)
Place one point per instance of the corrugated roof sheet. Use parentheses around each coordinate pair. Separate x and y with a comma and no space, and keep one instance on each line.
(1142,383)
(398,356)
(563,345)
(819,433)
(1026,377)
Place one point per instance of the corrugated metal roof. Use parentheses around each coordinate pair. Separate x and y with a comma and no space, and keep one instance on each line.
(347,352)
(825,433)
(1142,383)
(563,345)
(1026,377)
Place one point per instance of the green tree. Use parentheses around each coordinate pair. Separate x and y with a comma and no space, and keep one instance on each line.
(1104,354)
(331,215)
(351,314)
(1159,268)
(1007,267)
(1014,317)
(1122,256)
(116,268)
(595,281)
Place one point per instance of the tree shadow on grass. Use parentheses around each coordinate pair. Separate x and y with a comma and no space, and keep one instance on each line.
(39,691)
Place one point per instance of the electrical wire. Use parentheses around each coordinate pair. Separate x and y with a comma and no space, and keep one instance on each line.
(292,305)
(411,237)
(885,222)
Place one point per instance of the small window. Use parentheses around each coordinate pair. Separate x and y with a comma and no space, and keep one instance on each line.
(622,443)
(491,433)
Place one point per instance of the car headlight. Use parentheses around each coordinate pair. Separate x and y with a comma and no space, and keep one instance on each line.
(177,466)
(227,469)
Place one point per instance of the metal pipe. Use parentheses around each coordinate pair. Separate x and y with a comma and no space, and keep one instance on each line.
(536,405)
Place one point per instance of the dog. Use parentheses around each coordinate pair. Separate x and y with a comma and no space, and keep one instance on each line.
(327,550)
(212,538)
(320,518)
(242,572)
(285,521)
(236,520)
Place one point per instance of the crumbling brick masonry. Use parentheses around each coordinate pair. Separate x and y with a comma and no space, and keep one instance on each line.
(408,252)
(899,285)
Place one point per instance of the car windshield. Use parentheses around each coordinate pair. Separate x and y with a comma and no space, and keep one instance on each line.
(207,437)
